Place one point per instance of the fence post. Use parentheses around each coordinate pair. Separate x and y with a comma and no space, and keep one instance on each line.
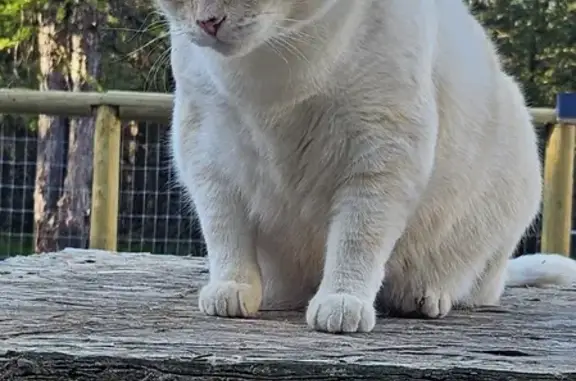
(558,179)
(106,180)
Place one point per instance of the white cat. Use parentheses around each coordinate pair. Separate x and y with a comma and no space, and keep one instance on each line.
(336,148)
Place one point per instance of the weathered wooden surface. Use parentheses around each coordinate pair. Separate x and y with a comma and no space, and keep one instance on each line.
(143,106)
(88,315)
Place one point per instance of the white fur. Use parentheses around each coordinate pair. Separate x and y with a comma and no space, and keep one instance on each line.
(337,148)
(540,270)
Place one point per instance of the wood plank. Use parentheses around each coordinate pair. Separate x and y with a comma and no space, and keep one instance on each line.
(90,315)
(106,180)
(558,190)
(141,106)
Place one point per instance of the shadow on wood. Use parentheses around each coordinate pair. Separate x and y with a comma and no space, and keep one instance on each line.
(91,315)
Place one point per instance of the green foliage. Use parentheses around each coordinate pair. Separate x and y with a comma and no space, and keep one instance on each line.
(14,22)
(537,39)
(137,52)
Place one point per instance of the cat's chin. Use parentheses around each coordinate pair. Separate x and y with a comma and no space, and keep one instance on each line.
(218,46)
(226,49)
(221,48)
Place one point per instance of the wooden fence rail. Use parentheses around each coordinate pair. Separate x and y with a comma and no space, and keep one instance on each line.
(113,106)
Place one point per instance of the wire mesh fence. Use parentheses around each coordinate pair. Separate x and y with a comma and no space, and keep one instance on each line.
(154,214)
(17,169)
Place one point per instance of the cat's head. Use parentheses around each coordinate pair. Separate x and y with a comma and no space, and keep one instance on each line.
(235,27)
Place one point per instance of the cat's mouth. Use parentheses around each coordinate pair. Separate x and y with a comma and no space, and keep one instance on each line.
(212,42)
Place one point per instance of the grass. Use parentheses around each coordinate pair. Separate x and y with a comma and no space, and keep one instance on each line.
(11,245)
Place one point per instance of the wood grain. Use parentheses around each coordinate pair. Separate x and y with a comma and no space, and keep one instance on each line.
(105,181)
(141,106)
(92,315)
(558,190)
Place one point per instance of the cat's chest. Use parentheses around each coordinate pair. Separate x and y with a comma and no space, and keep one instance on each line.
(286,167)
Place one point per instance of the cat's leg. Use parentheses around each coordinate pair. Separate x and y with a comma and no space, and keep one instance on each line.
(434,270)
(369,215)
(490,285)
(425,278)
(357,250)
(235,285)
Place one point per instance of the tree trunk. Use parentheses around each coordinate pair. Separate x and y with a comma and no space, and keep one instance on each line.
(74,206)
(51,134)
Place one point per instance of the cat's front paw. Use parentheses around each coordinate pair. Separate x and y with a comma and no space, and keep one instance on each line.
(230,299)
(340,313)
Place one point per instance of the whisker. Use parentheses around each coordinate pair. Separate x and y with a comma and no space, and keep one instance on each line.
(292,49)
(270,43)
(159,64)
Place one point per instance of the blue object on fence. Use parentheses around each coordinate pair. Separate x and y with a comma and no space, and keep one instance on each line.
(566,107)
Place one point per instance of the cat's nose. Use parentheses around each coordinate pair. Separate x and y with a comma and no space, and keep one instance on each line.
(211,25)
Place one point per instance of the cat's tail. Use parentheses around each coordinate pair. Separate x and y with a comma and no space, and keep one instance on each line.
(540,270)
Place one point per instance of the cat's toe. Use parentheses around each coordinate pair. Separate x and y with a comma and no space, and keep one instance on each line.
(340,313)
(435,305)
(230,299)
(430,304)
